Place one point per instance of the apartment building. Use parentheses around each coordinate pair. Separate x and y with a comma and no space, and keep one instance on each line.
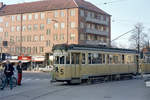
(33,28)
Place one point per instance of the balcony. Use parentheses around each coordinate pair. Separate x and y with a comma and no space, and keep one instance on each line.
(98,32)
(98,21)
(95,42)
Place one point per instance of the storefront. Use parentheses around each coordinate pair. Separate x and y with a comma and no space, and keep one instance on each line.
(38,61)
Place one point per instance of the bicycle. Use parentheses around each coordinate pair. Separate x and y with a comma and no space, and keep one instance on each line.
(2,79)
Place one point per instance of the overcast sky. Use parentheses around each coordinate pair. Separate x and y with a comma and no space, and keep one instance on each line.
(125,14)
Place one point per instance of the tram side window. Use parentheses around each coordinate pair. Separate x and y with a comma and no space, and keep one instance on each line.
(96,58)
(103,58)
(123,60)
(107,58)
(68,59)
(83,58)
(115,59)
(89,58)
(57,60)
(62,60)
(129,59)
(110,59)
(75,58)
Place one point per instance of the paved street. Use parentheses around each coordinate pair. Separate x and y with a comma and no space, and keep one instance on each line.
(36,86)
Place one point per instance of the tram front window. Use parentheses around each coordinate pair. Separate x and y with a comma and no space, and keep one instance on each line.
(56,59)
(59,60)
(62,60)
(68,59)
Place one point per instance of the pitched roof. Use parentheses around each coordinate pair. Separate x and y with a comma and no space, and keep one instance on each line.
(46,5)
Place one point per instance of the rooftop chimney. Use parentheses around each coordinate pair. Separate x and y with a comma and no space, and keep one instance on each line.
(1,4)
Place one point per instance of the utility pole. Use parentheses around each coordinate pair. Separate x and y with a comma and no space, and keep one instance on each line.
(138,47)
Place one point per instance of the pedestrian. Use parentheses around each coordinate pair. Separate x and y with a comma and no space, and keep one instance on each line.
(15,70)
(8,71)
(19,69)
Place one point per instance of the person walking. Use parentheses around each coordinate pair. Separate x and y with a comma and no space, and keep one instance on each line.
(19,69)
(15,70)
(8,71)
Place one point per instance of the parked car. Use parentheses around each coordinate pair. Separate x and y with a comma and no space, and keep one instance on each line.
(47,68)
(147,82)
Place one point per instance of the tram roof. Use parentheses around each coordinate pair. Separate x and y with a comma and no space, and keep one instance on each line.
(92,48)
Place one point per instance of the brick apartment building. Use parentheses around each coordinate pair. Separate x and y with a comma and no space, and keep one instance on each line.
(36,26)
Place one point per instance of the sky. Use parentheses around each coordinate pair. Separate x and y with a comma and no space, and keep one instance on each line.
(125,14)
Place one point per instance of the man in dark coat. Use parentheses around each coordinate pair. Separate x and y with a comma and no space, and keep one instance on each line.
(8,71)
(19,69)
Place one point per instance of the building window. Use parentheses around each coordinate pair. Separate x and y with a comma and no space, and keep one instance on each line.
(61,36)
(48,21)
(12,29)
(35,50)
(17,38)
(81,25)
(72,24)
(29,27)
(48,43)
(55,25)
(92,15)
(1,19)
(12,49)
(82,37)
(89,14)
(42,26)
(17,49)
(11,38)
(41,49)
(72,36)
(55,36)
(23,38)
(48,32)
(24,17)
(62,14)
(36,38)
(28,50)
(35,16)
(1,29)
(18,17)
(6,34)
(24,28)
(72,12)
(82,13)
(55,14)
(107,19)
(23,50)
(30,17)
(35,26)
(12,18)
(29,38)
(62,25)
(18,28)
(42,15)
(41,37)
(6,24)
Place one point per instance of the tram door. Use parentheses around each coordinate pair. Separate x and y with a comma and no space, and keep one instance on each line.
(75,60)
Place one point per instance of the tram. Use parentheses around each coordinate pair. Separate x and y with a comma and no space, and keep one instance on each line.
(75,63)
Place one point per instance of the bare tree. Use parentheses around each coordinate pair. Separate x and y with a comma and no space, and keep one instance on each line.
(138,39)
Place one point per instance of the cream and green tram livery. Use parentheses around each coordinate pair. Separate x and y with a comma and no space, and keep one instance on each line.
(74,63)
